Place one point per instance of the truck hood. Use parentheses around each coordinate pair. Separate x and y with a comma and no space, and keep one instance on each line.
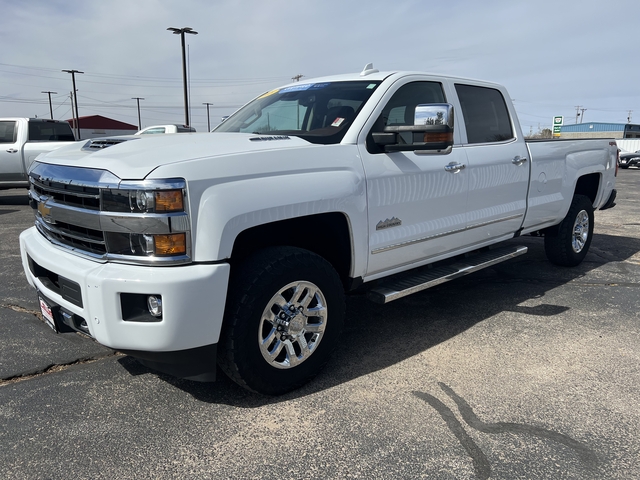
(135,157)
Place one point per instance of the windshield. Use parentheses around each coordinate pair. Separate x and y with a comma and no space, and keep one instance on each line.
(317,112)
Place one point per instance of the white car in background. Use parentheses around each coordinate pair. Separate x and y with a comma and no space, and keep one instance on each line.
(165,129)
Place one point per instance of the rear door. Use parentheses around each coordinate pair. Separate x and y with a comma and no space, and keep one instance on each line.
(10,154)
(498,164)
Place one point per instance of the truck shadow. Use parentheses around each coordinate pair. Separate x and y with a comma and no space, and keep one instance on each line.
(379,336)
(15,197)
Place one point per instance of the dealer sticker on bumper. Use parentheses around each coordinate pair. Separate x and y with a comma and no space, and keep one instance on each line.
(47,314)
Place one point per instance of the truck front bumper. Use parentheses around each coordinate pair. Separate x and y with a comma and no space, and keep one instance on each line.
(108,302)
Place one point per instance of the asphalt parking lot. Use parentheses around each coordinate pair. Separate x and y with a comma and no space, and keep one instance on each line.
(523,370)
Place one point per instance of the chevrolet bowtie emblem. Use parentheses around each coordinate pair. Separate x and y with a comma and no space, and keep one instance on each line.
(45,211)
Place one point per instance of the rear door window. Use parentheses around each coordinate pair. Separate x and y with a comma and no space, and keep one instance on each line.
(50,131)
(486,117)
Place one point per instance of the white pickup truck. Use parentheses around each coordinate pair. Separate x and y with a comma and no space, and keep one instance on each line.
(237,247)
(22,140)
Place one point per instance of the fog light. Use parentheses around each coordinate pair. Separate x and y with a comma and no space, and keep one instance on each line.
(172,244)
(154,303)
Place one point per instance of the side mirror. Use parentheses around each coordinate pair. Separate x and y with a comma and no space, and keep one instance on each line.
(432,130)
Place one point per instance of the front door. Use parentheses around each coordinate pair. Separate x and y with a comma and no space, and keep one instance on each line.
(416,201)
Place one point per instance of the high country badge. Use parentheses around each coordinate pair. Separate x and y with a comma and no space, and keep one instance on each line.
(388,223)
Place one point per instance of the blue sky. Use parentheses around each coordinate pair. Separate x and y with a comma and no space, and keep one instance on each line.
(551,55)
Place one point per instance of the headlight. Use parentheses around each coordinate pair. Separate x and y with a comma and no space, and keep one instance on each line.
(147,219)
(143,201)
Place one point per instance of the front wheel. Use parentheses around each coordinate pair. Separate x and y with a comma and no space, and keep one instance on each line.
(284,316)
(571,243)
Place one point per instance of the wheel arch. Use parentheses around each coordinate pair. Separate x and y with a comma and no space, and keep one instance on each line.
(326,234)
(589,186)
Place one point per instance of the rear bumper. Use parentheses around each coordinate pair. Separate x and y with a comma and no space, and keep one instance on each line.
(193,300)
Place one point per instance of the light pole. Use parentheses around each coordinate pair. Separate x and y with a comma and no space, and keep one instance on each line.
(208,121)
(50,106)
(181,32)
(75,97)
(137,99)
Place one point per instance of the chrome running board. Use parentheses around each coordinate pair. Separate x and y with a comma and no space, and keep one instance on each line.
(406,283)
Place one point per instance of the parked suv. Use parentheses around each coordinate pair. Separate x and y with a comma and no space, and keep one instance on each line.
(629,159)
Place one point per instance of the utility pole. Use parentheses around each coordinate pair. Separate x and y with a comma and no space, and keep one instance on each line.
(181,32)
(75,97)
(296,78)
(73,115)
(208,121)
(582,110)
(578,112)
(137,99)
(629,116)
(50,106)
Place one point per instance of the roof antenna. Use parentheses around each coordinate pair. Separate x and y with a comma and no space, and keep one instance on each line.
(368,70)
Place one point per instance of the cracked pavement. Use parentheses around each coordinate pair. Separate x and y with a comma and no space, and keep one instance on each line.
(523,370)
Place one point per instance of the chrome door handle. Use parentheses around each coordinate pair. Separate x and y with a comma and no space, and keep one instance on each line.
(518,160)
(454,167)
(12,150)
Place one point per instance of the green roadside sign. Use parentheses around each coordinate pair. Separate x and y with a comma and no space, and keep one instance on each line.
(557,125)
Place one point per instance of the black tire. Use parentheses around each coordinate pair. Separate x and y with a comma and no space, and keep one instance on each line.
(624,166)
(252,351)
(570,245)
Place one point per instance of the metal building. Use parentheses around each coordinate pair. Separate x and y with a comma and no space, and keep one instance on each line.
(93,126)
(600,130)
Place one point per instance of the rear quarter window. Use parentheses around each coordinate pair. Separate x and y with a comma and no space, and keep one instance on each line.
(50,131)
(486,117)
(7,132)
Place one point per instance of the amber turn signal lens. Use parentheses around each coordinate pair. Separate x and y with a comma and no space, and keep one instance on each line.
(174,244)
(169,201)
(438,137)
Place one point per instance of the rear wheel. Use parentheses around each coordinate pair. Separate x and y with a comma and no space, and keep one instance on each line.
(284,316)
(571,243)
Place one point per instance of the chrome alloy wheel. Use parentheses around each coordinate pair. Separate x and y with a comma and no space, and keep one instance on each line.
(292,325)
(580,231)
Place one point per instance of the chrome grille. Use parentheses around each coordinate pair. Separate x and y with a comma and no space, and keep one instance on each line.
(66,233)
(72,195)
(77,238)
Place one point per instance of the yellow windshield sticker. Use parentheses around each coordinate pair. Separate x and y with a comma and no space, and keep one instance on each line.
(269,93)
